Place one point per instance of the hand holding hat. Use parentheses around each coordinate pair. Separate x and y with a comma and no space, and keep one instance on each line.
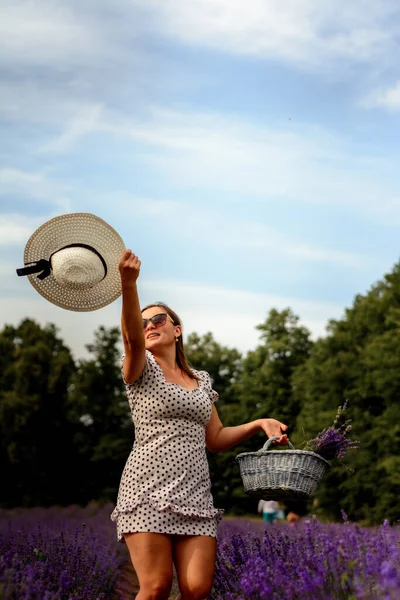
(129,268)
(72,261)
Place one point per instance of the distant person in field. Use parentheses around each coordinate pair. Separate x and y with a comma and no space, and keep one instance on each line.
(165,510)
(293,518)
(269,510)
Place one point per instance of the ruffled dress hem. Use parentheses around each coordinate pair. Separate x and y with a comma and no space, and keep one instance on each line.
(187,511)
(147,517)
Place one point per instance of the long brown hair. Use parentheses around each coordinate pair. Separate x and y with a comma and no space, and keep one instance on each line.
(180,352)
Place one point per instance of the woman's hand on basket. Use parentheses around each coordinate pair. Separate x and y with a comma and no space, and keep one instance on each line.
(272,428)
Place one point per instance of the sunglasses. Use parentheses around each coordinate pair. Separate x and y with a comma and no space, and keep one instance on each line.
(157,320)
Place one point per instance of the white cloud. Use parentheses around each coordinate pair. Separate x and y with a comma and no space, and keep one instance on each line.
(233,314)
(84,123)
(311,33)
(299,162)
(388,98)
(34,184)
(229,232)
(15,229)
(75,42)
(76,329)
(307,32)
(230,314)
(44,33)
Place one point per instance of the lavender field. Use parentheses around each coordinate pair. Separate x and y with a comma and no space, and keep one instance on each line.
(59,554)
(308,560)
(71,554)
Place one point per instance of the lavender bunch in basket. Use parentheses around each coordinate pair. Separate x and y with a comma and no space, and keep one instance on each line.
(333,443)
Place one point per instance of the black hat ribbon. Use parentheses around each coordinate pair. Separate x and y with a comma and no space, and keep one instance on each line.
(43,266)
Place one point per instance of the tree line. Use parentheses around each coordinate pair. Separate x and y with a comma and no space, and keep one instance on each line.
(66,429)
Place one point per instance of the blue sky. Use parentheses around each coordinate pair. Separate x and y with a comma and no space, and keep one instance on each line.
(247,151)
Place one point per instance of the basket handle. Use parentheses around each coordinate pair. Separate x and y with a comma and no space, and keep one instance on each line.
(269,441)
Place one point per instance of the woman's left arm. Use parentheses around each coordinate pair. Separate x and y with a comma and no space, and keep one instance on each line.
(219,438)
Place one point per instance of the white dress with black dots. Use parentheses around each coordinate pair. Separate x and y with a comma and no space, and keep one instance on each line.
(165,485)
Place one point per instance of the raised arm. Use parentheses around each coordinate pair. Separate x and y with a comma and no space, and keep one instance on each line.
(131,319)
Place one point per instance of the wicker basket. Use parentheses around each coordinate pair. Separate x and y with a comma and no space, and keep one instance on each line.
(281,474)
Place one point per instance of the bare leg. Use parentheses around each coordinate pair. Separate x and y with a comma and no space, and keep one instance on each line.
(194,558)
(151,555)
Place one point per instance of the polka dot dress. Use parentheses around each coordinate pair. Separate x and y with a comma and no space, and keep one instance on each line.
(165,485)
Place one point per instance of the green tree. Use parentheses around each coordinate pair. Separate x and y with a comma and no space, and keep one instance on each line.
(359,360)
(100,413)
(37,462)
(222,363)
(266,386)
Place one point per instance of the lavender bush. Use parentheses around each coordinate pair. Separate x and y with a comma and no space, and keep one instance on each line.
(58,554)
(308,560)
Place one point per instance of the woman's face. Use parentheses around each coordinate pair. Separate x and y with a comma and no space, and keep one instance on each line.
(156,334)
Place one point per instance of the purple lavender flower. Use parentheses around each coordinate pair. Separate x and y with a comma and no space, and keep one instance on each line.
(312,560)
(47,554)
(333,443)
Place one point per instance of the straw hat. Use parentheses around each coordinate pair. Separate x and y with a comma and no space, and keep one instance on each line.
(72,261)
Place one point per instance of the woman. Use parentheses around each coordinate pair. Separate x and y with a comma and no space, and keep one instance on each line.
(165,511)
